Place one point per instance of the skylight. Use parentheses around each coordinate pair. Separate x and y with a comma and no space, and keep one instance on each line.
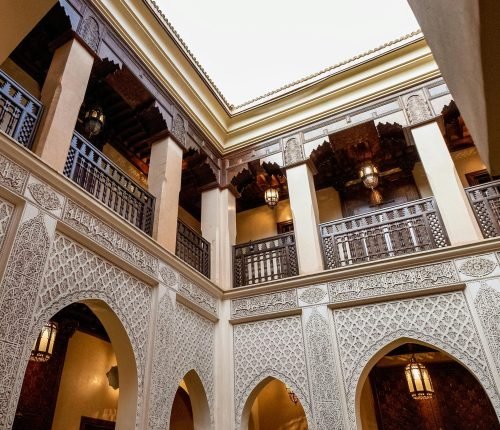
(252,47)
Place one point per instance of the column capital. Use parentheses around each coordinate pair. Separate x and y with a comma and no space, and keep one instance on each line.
(307,161)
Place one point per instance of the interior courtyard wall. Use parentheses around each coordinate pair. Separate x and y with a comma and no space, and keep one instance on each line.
(45,270)
(84,389)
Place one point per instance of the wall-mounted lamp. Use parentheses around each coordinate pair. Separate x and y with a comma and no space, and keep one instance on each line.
(44,344)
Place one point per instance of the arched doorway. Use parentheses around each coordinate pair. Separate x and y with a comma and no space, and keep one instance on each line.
(416,386)
(272,405)
(190,410)
(81,373)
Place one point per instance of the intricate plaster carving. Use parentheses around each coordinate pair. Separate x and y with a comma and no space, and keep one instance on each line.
(477,267)
(12,176)
(325,390)
(17,300)
(270,348)
(184,341)
(487,303)
(6,211)
(198,295)
(312,295)
(109,238)
(74,273)
(89,32)
(263,304)
(443,321)
(417,278)
(293,151)
(44,196)
(417,109)
(179,129)
(169,276)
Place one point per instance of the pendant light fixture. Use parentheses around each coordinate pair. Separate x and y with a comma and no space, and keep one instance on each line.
(271,197)
(369,174)
(44,344)
(93,121)
(419,380)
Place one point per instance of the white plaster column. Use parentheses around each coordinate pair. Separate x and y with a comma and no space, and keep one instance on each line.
(456,212)
(62,96)
(224,415)
(305,217)
(218,226)
(164,182)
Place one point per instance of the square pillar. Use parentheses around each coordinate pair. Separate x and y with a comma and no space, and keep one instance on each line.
(456,211)
(218,226)
(304,207)
(164,182)
(62,96)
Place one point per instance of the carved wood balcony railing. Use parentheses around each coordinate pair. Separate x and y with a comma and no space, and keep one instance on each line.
(193,249)
(265,260)
(19,111)
(99,176)
(485,200)
(403,229)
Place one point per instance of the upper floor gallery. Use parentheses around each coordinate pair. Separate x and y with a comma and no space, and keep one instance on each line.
(367,161)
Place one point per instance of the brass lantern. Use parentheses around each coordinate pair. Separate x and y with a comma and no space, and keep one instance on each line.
(419,380)
(369,174)
(93,122)
(44,344)
(271,196)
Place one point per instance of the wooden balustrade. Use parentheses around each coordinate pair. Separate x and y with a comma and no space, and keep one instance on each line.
(20,112)
(265,260)
(99,176)
(193,249)
(485,201)
(403,229)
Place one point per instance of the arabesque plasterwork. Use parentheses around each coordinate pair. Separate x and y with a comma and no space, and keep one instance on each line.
(443,321)
(381,284)
(326,393)
(110,239)
(184,341)
(198,295)
(271,348)
(487,303)
(263,304)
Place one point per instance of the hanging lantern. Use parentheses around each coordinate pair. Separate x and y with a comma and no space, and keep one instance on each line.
(42,350)
(293,397)
(271,196)
(369,175)
(419,380)
(93,121)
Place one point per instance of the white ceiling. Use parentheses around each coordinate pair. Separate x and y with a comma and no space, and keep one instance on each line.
(250,47)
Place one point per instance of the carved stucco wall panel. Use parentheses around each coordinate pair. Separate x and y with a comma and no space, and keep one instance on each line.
(487,304)
(443,321)
(399,281)
(264,304)
(478,266)
(326,393)
(44,196)
(73,274)
(184,341)
(6,211)
(18,292)
(271,348)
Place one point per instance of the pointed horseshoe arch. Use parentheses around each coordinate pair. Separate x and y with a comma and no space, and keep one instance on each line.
(243,410)
(122,346)
(483,379)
